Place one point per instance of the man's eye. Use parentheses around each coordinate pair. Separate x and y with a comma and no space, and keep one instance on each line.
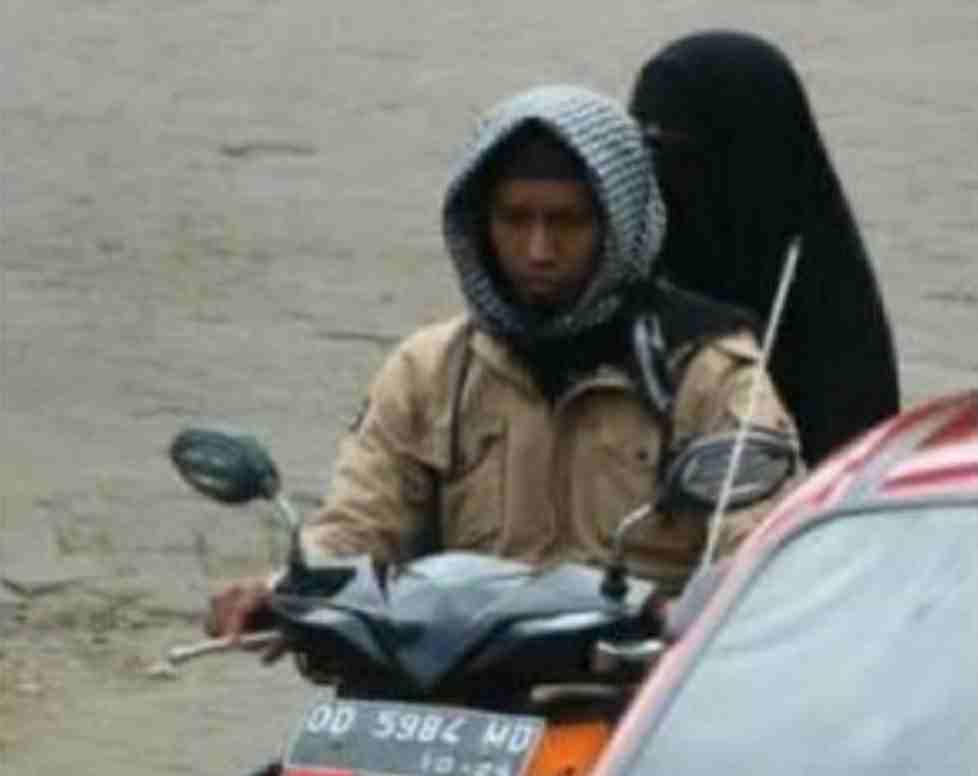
(515,218)
(571,219)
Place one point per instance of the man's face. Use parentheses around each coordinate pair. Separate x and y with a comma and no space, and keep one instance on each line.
(545,234)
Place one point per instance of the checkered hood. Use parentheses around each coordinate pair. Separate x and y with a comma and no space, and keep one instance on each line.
(620,172)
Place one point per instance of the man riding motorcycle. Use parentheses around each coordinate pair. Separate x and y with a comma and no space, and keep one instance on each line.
(524,428)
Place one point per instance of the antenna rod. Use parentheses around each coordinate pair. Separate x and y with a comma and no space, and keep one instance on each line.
(787,275)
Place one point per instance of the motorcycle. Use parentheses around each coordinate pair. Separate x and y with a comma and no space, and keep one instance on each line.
(457,663)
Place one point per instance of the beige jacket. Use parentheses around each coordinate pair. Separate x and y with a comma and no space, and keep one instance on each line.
(531,480)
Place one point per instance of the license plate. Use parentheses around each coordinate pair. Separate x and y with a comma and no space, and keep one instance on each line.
(341,737)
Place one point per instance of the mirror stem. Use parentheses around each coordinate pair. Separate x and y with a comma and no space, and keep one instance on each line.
(614,584)
(298,571)
(286,509)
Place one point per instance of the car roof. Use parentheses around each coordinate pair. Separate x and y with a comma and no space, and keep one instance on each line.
(930,450)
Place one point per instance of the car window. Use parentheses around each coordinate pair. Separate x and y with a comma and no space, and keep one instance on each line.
(852,652)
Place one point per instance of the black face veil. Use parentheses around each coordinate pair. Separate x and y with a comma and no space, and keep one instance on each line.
(743,170)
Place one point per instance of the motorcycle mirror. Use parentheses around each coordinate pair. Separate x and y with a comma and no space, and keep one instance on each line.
(695,478)
(694,481)
(227,466)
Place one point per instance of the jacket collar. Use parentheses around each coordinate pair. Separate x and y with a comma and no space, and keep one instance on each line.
(494,354)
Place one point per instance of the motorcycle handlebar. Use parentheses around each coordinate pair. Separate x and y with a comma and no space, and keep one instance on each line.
(182,653)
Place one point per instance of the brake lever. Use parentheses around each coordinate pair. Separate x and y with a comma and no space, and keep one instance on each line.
(183,653)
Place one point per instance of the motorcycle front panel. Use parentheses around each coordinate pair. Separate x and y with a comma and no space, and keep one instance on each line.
(428,621)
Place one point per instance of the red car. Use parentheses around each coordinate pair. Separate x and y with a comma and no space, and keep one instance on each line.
(843,636)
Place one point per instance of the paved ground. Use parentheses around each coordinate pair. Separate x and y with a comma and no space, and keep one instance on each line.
(229,210)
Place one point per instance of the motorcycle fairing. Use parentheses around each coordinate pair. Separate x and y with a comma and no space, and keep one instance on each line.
(423,621)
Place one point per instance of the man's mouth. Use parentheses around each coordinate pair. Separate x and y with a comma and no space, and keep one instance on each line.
(542,290)
(541,285)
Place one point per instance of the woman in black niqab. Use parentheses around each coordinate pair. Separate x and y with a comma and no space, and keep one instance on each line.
(744,170)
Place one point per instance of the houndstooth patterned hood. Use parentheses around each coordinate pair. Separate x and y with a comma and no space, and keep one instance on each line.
(620,172)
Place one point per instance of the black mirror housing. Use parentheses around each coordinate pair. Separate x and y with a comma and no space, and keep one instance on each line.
(695,478)
(227,466)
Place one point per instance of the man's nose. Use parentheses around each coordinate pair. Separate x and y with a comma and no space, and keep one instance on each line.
(542,246)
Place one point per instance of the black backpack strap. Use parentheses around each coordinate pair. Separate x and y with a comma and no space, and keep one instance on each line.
(460,379)
(669,325)
(652,356)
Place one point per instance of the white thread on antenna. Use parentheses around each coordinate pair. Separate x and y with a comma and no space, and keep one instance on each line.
(787,275)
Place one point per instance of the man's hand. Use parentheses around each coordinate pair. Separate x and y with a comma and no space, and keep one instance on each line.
(240,607)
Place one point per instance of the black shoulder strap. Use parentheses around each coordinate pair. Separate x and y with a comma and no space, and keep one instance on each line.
(459,379)
(432,541)
(667,320)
